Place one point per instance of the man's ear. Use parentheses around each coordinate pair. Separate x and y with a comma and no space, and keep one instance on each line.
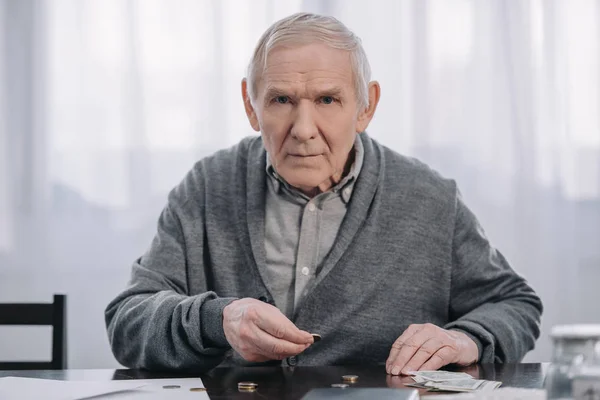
(366,114)
(250,113)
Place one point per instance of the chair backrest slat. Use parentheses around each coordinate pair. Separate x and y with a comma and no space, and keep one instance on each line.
(26,314)
(39,314)
(59,333)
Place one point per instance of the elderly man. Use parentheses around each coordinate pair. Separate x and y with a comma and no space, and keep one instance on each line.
(314,227)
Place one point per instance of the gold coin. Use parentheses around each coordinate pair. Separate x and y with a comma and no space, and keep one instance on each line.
(350,378)
(247,386)
(197,390)
(316,337)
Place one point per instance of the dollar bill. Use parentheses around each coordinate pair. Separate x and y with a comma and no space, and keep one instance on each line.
(451,382)
(440,376)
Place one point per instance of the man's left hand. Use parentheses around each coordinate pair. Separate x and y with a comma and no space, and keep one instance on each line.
(429,347)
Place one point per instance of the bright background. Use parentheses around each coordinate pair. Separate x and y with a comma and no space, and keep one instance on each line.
(105,104)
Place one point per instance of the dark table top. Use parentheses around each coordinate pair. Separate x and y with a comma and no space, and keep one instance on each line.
(284,383)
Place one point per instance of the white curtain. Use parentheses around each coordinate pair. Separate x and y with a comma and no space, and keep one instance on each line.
(105,104)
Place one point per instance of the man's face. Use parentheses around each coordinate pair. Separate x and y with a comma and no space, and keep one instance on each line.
(307,111)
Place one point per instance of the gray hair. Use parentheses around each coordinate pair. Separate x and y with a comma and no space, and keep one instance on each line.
(305,28)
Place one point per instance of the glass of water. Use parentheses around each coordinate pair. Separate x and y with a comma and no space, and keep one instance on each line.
(575,364)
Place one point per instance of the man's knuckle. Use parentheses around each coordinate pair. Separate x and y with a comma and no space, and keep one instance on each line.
(453,346)
(244,333)
(427,351)
(443,356)
(252,314)
(430,327)
(276,349)
(279,332)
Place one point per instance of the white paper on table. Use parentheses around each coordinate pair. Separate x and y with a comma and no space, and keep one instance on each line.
(48,389)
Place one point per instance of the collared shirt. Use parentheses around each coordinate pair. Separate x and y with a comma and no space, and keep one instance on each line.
(300,231)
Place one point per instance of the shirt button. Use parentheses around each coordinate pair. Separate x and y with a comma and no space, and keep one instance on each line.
(293,360)
(311,207)
(305,271)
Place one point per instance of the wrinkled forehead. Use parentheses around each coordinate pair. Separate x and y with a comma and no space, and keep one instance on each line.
(313,66)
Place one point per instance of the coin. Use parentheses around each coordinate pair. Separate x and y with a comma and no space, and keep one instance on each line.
(246,385)
(197,390)
(246,389)
(171,387)
(316,337)
(340,385)
(350,378)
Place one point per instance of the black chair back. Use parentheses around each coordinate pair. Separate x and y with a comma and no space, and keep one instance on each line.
(53,314)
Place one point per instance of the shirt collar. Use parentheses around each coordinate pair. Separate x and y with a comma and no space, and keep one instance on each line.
(345,186)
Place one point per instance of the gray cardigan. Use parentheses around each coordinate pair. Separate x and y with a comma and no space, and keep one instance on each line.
(408,251)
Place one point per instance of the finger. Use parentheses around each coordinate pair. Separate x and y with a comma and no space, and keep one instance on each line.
(397,346)
(428,349)
(440,358)
(409,348)
(275,348)
(277,325)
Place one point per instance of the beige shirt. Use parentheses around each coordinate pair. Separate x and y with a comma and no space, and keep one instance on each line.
(300,231)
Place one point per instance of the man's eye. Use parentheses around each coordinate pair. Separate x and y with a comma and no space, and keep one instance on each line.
(282,99)
(327,99)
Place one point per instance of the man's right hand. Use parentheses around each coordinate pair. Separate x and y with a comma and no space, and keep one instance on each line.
(260,332)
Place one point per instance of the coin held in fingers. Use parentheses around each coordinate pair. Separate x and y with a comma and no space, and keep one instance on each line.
(247,386)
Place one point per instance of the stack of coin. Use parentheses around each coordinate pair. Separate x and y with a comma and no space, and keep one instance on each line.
(350,378)
(247,386)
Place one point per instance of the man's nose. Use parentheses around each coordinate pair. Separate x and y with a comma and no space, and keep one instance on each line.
(304,127)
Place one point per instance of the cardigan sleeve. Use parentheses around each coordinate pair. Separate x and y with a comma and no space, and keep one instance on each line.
(154,323)
(489,301)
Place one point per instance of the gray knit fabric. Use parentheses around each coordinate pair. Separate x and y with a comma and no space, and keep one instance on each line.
(408,251)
